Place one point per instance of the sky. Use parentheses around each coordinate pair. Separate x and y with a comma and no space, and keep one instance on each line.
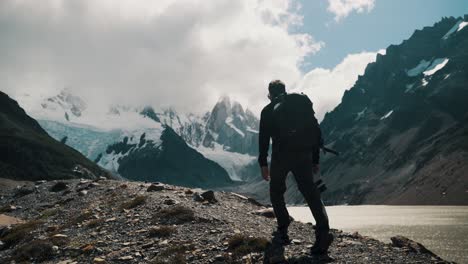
(186,54)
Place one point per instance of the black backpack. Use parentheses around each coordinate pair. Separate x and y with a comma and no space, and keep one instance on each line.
(295,124)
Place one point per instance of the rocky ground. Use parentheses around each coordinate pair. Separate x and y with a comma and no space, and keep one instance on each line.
(106,221)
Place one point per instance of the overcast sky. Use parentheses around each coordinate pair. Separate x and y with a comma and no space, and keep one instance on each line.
(188,53)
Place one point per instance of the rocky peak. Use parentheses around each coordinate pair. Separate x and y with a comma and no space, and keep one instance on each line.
(66,101)
(387,122)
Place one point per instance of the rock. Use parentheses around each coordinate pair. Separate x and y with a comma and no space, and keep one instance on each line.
(60,236)
(82,182)
(1,245)
(99,260)
(267,212)
(404,242)
(123,186)
(242,197)
(126,258)
(8,208)
(296,241)
(101,178)
(147,245)
(23,191)
(197,197)
(40,182)
(112,219)
(94,184)
(209,196)
(59,186)
(188,191)
(55,249)
(155,188)
(87,248)
(169,202)
(83,193)
(255,202)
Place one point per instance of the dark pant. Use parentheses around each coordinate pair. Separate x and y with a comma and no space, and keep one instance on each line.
(300,164)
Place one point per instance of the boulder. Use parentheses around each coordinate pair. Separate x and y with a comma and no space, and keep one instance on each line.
(59,186)
(267,212)
(155,188)
(209,196)
(404,242)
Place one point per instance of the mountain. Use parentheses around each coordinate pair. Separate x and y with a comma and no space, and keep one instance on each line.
(402,128)
(170,161)
(27,152)
(112,138)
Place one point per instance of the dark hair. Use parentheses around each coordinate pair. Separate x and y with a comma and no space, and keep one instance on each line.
(276,88)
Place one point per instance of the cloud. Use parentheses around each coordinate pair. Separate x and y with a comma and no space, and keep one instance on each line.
(342,8)
(180,53)
(325,87)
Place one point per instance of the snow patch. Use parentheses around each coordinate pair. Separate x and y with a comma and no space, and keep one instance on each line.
(424,82)
(423,64)
(387,115)
(232,162)
(456,27)
(230,124)
(462,25)
(436,65)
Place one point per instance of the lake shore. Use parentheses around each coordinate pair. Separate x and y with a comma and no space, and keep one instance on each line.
(442,229)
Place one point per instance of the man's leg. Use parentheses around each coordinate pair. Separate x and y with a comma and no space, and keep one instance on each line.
(302,171)
(278,174)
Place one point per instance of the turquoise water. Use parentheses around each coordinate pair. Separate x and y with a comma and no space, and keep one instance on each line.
(442,229)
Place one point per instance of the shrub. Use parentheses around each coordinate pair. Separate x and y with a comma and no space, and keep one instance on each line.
(242,245)
(38,250)
(138,200)
(95,223)
(173,255)
(177,215)
(162,231)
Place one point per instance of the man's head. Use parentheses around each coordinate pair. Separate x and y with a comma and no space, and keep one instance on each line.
(276,88)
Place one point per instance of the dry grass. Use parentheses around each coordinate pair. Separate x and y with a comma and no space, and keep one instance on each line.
(95,223)
(48,213)
(241,245)
(20,232)
(162,231)
(173,255)
(177,215)
(138,200)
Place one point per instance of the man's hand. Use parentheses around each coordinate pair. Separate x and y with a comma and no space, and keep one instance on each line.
(265,173)
(315,168)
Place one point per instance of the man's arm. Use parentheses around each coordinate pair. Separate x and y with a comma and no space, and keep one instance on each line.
(263,139)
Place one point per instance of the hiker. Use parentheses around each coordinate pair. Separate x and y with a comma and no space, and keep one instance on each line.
(289,120)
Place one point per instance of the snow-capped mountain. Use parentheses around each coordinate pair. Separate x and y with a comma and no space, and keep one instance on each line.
(226,135)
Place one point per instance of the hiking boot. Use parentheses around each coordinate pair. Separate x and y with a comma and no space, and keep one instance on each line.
(281,237)
(321,245)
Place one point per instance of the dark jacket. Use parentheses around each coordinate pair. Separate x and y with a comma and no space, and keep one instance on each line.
(267,131)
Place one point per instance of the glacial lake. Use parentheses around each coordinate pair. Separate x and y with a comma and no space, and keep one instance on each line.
(442,229)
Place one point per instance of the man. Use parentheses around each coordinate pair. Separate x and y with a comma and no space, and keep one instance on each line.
(302,161)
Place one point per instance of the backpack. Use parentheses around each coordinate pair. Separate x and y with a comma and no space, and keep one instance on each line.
(295,124)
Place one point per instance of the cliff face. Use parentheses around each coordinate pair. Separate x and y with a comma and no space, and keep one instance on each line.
(27,152)
(402,128)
